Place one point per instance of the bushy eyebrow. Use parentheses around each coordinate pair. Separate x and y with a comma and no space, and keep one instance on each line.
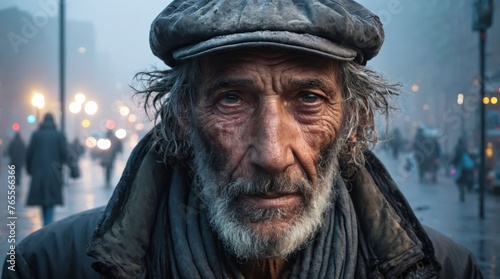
(227,83)
(310,84)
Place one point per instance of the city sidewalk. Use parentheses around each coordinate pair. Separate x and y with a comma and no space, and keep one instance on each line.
(89,191)
(436,205)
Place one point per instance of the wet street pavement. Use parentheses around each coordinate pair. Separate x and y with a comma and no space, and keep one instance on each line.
(436,205)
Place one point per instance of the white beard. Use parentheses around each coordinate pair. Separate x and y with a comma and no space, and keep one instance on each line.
(226,218)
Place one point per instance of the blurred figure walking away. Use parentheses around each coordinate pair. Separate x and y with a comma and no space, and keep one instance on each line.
(464,164)
(427,154)
(419,152)
(47,152)
(17,154)
(108,156)
(75,151)
(395,142)
(432,160)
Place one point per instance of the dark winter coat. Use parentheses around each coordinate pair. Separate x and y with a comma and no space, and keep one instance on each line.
(17,151)
(122,237)
(47,153)
(108,156)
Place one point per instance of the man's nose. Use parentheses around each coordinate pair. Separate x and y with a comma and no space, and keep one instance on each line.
(272,138)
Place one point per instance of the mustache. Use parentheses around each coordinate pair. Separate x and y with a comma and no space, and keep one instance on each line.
(266,183)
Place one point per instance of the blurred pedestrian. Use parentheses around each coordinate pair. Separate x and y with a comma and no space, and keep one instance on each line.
(464,165)
(75,151)
(108,156)
(419,152)
(47,153)
(17,154)
(395,142)
(432,159)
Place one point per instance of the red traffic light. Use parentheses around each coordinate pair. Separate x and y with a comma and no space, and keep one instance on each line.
(16,126)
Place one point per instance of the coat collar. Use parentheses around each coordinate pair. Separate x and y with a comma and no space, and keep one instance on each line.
(392,234)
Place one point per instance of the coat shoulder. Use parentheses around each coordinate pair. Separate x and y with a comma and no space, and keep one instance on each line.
(57,250)
(456,261)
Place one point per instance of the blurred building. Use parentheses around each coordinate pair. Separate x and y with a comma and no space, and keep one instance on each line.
(29,63)
(431,47)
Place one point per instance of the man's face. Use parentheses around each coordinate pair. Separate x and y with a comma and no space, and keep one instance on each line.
(264,140)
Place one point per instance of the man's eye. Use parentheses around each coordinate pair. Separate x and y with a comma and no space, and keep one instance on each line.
(309,98)
(230,98)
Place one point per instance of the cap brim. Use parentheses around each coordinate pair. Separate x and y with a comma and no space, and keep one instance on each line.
(281,39)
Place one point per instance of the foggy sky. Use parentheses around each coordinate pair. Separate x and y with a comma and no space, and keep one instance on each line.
(122,26)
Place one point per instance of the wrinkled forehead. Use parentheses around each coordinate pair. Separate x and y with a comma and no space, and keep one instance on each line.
(232,62)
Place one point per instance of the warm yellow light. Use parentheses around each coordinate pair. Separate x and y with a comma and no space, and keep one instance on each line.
(486,100)
(119,104)
(132,118)
(75,107)
(91,142)
(38,100)
(124,111)
(494,100)
(139,126)
(86,123)
(80,98)
(415,88)
(426,107)
(91,107)
(489,152)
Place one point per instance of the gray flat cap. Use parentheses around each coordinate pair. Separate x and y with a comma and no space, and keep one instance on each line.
(341,29)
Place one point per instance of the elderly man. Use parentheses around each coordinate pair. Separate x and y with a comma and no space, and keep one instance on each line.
(259,165)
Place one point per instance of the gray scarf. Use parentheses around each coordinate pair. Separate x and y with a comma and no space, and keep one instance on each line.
(194,252)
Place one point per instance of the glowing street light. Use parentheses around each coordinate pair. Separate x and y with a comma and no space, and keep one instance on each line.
(460,99)
(80,98)
(91,107)
(103,144)
(124,111)
(38,101)
(75,107)
(132,118)
(121,133)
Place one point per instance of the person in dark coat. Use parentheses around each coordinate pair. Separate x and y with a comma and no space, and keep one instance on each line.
(75,151)
(47,153)
(17,154)
(259,166)
(420,153)
(108,156)
(464,165)
(396,140)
